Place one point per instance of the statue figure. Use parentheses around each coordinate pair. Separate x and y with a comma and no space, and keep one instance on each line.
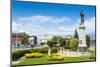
(82,17)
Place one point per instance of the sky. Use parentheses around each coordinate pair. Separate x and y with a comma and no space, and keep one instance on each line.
(52,19)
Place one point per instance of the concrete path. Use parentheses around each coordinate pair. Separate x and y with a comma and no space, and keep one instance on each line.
(67,53)
(18,61)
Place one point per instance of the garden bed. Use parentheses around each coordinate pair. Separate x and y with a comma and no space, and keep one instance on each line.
(43,60)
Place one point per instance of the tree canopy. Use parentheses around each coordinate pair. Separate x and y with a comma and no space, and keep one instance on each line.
(76,34)
(88,40)
(72,44)
(55,40)
(25,37)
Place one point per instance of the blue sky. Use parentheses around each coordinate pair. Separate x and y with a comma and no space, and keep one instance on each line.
(50,18)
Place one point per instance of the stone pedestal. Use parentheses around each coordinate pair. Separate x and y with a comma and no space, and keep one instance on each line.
(82,39)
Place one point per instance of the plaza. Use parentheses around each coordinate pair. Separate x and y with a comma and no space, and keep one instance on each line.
(52,48)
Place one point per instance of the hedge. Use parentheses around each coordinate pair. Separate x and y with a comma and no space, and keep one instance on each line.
(92,54)
(18,54)
(40,50)
(44,50)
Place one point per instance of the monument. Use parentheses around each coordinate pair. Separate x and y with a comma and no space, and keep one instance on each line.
(82,37)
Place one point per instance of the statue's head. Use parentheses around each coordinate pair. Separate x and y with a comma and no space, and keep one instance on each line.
(81,13)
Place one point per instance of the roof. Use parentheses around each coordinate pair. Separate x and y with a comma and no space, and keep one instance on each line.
(17,34)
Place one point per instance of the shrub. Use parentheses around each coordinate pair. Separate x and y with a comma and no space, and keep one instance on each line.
(44,50)
(33,55)
(54,50)
(37,55)
(18,54)
(28,55)
(40,50)
(92,54)
(55,57)
(35,50)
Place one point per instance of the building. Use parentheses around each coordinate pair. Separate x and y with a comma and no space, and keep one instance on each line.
(33,41)
(69,37)
(16,38)
(45,38)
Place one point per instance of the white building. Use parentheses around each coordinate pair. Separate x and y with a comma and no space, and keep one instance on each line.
(45,38)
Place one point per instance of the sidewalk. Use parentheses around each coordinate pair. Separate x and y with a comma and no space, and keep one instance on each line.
(18,61)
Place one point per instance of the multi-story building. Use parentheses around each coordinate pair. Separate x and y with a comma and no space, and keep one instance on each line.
(16,38)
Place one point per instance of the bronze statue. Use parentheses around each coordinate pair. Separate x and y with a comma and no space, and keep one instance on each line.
(82,17)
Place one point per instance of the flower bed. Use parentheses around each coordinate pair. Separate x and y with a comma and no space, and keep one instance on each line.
(55,57)
(33,55)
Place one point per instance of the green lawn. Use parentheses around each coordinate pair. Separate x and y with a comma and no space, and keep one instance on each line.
(43,60)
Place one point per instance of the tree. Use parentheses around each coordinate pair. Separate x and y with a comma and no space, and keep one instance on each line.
(74,44)
(88,40)
(67,45)
(54,42)
(25,37)
(50,43)
(42,43)
(61,41)
(76,34)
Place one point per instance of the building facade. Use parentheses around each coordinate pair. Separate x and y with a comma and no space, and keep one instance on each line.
(16,38)
(33,41)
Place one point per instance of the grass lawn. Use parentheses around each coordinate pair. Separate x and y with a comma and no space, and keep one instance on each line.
(43,60)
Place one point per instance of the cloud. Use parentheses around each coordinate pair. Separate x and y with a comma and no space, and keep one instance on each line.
(40,25)
(90,25)
(44,19)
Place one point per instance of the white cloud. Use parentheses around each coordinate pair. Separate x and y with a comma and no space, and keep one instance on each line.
(90,25)
(62,28)
(33,25)
(44,19)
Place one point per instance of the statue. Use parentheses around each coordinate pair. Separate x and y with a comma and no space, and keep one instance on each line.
(82,35)
(82,17)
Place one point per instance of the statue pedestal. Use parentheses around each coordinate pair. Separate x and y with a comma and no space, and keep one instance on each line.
(82,47)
